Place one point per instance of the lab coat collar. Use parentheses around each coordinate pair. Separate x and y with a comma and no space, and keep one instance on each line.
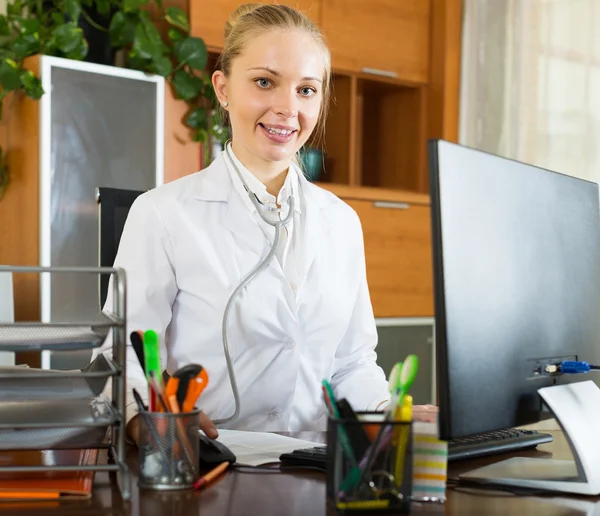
(290,184)
(215,185)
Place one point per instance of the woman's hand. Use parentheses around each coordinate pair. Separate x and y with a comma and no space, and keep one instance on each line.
(206,425)
(425,413)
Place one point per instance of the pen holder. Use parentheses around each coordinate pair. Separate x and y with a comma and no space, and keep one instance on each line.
(168,449)
(369,467)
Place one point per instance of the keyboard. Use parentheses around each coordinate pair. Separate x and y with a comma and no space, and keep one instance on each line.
(492,443)
(489,443)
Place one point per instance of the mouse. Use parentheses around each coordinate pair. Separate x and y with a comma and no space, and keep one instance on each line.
(212,452)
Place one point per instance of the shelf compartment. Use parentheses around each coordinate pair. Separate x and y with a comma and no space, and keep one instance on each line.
(391,128)
(39,336)
(28,384)
(26,425)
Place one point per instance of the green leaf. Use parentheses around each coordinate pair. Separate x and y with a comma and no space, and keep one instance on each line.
(32,84)
(68,37)
(73,9)
(14,9)
(175,35)
(25,45)
(133,5)
(159,4)
(4,28)
(142,46)
(122,29)
(186,86)
(79,52)
(191,51)
(196,119)
(29,25)
(135,62)
(10,75)
(200,135)
(178,18)
(57,18)
(161,66)
(154,36)
(103,6)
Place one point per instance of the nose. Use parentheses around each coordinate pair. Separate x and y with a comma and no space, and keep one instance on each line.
(286,104)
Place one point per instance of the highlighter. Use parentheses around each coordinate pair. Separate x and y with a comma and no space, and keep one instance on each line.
(152,364)
(401,436)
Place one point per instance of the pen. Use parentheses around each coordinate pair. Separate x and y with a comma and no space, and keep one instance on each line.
(211,475)
(354,474)
(137,343)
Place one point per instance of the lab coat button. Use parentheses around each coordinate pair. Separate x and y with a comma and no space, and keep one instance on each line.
(293,285)
(274,414)
(289,344)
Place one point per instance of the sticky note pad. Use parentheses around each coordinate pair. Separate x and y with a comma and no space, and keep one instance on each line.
(430,463)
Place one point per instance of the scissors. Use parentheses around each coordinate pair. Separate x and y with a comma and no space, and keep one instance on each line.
(186,384)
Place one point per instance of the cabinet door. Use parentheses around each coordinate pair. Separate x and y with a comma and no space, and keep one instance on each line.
(207,17)
(383,37)
(398,253)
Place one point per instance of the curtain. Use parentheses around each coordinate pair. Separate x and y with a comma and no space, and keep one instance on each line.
(530,82)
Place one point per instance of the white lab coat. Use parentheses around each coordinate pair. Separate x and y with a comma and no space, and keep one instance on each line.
(187,245)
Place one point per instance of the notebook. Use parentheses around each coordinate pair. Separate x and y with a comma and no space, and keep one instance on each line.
(47,485)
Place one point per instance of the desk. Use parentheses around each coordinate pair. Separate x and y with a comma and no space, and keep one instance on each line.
(303,494)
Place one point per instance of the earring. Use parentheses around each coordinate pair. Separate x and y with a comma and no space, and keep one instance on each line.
(225,103)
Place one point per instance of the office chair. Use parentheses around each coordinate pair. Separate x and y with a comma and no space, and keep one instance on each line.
(113,208)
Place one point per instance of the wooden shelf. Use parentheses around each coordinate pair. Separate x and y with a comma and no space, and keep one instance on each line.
(366,193)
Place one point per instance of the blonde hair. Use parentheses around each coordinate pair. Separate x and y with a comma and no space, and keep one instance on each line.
(251,20)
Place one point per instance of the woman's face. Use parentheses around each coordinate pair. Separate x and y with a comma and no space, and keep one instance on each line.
(274,92)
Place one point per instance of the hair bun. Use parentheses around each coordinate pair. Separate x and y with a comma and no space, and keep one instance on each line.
(236,15)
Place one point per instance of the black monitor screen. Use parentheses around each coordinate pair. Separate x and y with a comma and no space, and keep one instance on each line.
(516,256)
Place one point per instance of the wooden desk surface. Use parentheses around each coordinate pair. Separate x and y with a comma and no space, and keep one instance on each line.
(303,494)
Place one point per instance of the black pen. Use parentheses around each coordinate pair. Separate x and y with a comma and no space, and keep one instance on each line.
(138,400)
(138,346)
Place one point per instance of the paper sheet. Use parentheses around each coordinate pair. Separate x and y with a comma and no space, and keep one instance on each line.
(256,448)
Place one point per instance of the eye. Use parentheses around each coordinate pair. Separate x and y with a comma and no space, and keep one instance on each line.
(262,82)
(307,91)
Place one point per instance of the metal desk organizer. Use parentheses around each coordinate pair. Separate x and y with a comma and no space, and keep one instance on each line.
(369,464)
(33,412)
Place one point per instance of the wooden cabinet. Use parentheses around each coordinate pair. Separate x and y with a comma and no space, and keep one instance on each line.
(398,253)
(382,37)
(207,17)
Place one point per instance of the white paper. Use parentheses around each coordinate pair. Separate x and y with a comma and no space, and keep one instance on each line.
(256,448)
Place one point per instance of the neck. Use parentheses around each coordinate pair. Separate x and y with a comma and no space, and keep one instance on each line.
(272,174)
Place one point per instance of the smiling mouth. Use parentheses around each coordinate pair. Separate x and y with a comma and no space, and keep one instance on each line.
(277,131)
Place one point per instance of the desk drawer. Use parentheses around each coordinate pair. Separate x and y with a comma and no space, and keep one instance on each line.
(398,252)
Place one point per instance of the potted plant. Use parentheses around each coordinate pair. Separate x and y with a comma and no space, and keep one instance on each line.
(56,28)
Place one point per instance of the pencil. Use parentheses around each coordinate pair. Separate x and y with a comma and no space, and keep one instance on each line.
(211,475)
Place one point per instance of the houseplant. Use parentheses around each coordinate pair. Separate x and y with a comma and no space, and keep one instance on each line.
(54,27)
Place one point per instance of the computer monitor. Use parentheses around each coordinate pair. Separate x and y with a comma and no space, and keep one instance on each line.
(516,256)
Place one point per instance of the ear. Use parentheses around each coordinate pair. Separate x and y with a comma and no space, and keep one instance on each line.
(219,82)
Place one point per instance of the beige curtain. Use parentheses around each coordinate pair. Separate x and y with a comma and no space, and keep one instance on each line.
(530,82)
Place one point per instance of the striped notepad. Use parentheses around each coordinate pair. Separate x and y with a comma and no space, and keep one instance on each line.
(430,463)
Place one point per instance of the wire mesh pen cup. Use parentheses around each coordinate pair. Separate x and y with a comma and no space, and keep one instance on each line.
(369,465)
(168,449)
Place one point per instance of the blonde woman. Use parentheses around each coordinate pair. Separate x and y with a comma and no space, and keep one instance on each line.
(306,316)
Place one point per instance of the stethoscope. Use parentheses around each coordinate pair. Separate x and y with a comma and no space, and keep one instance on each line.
(277,222)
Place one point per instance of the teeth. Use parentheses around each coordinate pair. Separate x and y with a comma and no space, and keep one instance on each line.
(283,132)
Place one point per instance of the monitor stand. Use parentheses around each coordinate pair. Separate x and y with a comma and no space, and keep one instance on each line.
(576,407)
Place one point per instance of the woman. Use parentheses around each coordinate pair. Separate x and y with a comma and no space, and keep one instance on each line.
(187,245)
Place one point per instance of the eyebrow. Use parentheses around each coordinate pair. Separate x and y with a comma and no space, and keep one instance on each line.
(277,74)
